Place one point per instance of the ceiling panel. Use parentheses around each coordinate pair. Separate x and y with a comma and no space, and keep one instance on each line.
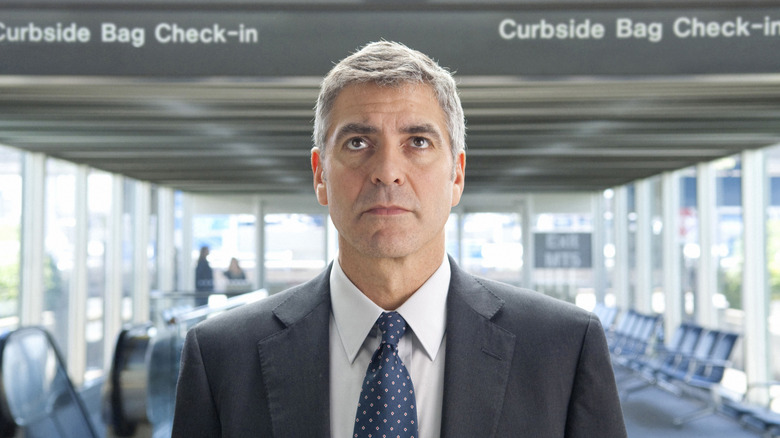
(523,135)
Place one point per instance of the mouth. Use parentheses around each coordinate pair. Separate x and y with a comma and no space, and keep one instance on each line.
(386,210)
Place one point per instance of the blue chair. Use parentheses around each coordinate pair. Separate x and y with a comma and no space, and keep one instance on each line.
(624,331)
(37,396)
(637,344)
(755,416)
(606,315)
(704,373)
(664,358)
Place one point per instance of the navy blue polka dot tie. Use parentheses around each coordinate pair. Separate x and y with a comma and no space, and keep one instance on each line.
(386,408)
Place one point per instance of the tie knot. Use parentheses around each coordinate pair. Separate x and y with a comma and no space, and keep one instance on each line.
(393,326)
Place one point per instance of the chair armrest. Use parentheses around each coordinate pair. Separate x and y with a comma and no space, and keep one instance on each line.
(708,364)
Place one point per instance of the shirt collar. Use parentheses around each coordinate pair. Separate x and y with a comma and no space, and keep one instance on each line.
(425,311)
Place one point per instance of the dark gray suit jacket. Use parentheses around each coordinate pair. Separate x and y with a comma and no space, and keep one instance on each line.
(518,364)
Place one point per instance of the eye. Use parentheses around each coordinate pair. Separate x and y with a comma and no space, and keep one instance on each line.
(356,144)
(420,142)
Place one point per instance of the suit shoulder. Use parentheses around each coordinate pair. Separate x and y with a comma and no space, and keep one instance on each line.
(265,317)
(534,306)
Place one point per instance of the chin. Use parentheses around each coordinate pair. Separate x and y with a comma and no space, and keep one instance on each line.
(393,248)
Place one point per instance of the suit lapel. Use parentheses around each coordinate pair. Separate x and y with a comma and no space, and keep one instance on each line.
(478,359)
(295,363)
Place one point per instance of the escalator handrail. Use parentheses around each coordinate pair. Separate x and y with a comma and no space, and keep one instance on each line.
(206,310)
(51,344)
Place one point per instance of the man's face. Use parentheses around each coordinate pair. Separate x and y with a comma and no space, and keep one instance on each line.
(387,174)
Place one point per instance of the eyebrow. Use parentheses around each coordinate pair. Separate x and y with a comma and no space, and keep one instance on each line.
(365,129)
(425,128)
(355,128)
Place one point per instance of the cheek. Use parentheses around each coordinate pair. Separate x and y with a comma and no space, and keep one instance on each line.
(342,189)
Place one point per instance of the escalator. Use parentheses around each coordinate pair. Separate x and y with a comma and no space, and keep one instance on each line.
(139,393)
(37,398)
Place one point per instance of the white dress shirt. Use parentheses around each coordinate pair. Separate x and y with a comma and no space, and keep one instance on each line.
(354,338)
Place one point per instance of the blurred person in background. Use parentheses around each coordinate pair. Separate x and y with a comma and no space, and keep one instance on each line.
(204,278)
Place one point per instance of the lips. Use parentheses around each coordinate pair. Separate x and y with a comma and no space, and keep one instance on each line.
(390,210)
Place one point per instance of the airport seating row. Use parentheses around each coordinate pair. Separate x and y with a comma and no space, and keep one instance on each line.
(690,364)
(757,415)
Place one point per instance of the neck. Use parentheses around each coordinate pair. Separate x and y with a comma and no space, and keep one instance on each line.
(389,282)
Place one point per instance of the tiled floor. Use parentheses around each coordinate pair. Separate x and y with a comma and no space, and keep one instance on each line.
(650,413)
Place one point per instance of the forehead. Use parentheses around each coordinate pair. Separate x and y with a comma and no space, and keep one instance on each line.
(402,106)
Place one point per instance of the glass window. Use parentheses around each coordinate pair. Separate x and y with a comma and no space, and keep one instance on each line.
(610,247)
(631,244)
(10,235)
(773,257)
(452,242)
(99,199)
(492,246)
(128,247)
(689,239)
(728,243)
(152,246)
(657,245)
(294,249)
(228,237)
(59,248)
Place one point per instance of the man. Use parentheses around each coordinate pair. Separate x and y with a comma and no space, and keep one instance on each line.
(476,358)
(204,277)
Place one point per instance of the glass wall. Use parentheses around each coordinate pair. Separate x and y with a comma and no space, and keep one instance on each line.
(610,247)
(492,245)
(128,247)
(152,246)
(631,243)
(294,249)
(59,248)
(658,302)
(773,257)
(451,236)
(728,243)
(689,240)
(227,236)
(99,201)
(10,235)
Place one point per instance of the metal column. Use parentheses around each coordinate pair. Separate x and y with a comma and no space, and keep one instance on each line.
(141,213)
(620,280)
(707,272)
(112,298)
(597,250)
(32,235)
(166,249)
(77,300)
(644,249)
(672,253)
(755,286)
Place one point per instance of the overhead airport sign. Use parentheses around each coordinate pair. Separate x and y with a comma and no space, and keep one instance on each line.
(252,43)
(562,250)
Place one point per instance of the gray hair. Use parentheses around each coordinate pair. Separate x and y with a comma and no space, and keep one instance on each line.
(391,64)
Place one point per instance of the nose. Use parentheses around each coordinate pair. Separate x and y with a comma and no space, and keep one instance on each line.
(388,166)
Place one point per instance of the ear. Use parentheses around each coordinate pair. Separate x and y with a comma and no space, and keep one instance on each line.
(459,182)
(319,182)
